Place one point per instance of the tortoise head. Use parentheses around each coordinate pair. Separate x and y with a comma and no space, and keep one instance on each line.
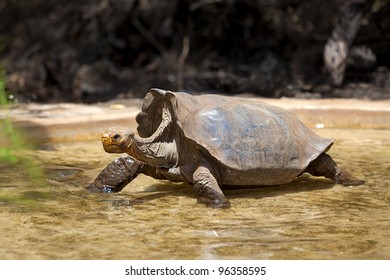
(117,139)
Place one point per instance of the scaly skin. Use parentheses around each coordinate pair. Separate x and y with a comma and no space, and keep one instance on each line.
(325,166)
(116,175)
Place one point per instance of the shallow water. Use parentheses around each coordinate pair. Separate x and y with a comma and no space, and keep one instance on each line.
(309,218)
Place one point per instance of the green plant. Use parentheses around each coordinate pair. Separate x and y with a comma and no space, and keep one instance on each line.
(11,139)
(13,157)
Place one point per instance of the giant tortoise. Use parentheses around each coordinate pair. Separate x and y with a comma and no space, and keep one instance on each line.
(210,141)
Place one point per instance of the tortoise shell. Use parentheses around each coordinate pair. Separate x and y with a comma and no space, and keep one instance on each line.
(243,135)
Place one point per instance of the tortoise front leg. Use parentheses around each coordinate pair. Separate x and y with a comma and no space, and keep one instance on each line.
(207,188)
(120,172)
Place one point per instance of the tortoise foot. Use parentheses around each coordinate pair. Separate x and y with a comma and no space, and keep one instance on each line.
(353,183)
(93,187)
(345,179)
(214,203)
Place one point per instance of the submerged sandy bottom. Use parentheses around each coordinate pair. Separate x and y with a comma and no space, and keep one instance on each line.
(309,218)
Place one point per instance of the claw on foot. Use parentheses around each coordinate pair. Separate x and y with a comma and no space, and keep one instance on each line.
(355,182)
(214,203)
(346,179)
(106,189)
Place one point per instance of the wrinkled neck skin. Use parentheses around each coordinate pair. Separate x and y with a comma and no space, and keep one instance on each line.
(159,149)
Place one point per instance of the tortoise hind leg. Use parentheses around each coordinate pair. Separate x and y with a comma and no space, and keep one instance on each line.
(325,166)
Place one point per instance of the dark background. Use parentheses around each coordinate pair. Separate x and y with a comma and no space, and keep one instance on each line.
(96,50)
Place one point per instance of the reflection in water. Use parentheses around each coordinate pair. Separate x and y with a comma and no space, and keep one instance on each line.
(309,218)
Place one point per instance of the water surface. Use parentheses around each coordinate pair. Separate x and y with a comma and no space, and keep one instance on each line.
(309,218)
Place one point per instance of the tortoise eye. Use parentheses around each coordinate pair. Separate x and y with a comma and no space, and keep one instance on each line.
(116,136)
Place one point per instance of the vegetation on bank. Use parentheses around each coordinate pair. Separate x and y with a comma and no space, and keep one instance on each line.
(9,137)
(14,159)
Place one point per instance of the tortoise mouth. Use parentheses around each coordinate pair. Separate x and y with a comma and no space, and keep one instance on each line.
(105,138)
(110,145)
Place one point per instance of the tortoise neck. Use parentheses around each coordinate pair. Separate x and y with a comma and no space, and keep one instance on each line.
(160,148)
(159,154)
